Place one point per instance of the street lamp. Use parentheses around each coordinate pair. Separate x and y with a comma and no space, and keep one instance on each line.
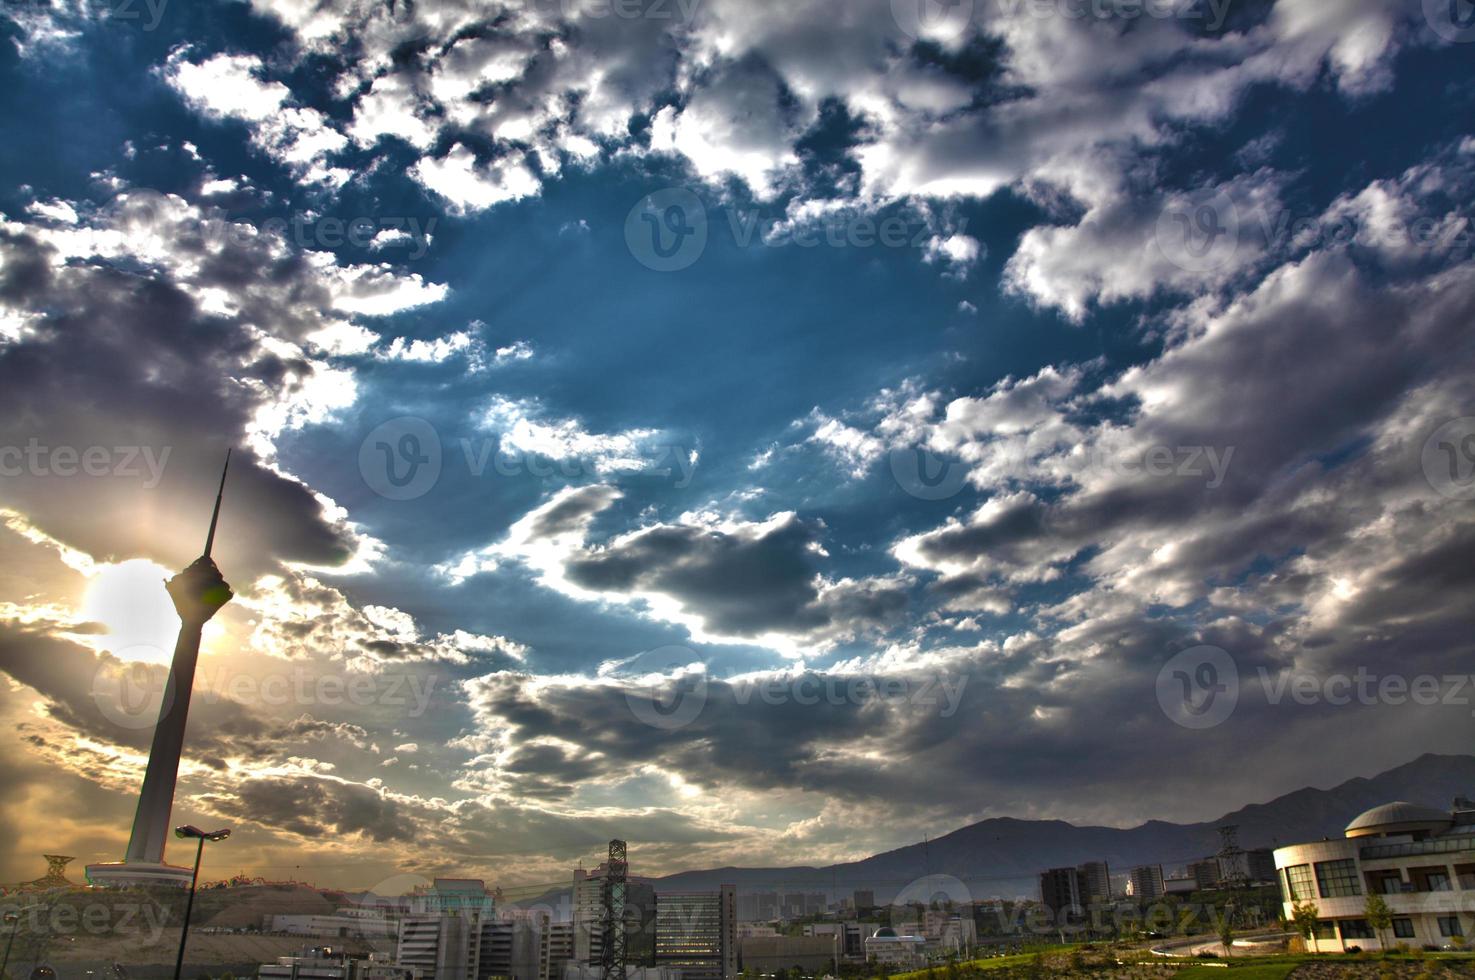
(12,919)
(190,832)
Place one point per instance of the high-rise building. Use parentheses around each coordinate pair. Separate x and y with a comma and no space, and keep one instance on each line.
(442,933)
(1205,873)
(696,933)
(769,954)
(1060,889)
(588,915)
(1095,882)
(588,918)
(557,950)
(1147,882)
(442,945)
(864,900)
(1262,864)
(512,945)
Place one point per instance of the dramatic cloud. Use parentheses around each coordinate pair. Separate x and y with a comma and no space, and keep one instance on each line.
(604,469)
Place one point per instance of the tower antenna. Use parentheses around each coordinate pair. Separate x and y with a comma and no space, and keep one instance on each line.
(219,496)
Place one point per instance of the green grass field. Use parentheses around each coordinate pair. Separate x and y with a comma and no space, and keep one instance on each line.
(991,963)
(1250,968)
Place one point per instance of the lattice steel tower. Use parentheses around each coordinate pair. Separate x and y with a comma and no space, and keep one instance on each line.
(615,934)
(1234,869)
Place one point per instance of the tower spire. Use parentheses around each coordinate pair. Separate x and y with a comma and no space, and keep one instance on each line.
(219,496)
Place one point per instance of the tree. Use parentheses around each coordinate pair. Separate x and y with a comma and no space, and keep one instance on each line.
(1226,932)
(1379,916)
(1304,919)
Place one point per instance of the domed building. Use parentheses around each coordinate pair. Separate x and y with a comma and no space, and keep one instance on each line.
(1420,859)
(894,951)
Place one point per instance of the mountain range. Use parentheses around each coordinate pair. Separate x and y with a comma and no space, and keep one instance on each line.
(1003,856)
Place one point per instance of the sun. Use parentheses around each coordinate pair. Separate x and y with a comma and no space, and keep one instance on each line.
(129,599)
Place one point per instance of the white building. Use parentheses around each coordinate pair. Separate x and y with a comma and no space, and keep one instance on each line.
(900,952)
(442,946)
(557,950)
(347,923)
(1421,860)
(325,963)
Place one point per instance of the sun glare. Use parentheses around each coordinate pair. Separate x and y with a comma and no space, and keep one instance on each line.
(129,599)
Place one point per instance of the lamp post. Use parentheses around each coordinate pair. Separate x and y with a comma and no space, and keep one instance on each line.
(190,832)
(13,920)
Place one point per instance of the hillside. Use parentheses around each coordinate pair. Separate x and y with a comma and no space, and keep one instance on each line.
(1003,856)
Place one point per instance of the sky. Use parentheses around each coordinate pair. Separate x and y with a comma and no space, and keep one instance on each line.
(767,433)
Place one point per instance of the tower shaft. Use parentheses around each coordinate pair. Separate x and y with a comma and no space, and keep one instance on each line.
(151,820)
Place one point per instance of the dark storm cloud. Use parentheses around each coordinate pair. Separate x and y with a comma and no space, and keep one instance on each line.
(96,695)
(571,512)
(312,806)
(740,582)
(126,362)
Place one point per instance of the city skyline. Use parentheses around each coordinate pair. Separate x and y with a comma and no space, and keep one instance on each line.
(770,436)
